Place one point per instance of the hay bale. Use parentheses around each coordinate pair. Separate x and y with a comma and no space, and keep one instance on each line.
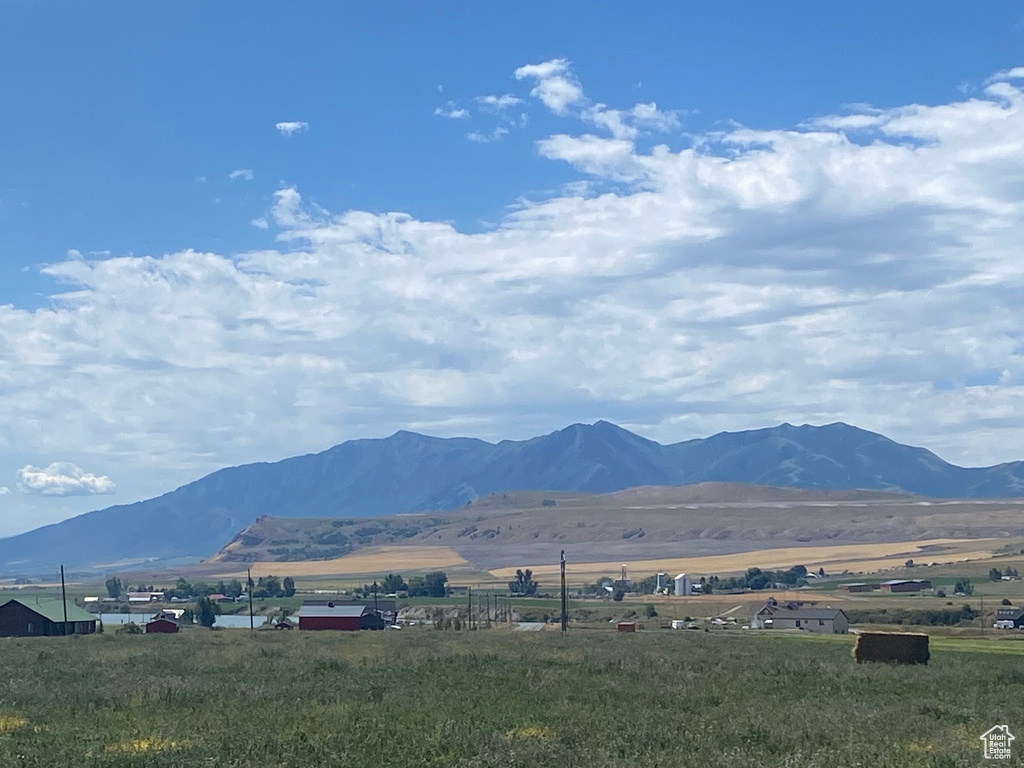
(891,647)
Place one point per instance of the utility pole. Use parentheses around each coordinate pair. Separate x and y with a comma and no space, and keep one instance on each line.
(565,603)
(375,609)
(64,599)
(248,588)
(469,607)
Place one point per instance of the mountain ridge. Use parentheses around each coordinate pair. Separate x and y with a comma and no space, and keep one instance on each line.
(408,472)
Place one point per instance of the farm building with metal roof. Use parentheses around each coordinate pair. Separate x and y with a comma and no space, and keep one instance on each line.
(44,616)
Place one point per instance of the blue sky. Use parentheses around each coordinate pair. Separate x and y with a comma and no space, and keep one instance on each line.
(184,284)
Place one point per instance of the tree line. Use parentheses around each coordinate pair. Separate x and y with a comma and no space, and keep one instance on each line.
(266,586)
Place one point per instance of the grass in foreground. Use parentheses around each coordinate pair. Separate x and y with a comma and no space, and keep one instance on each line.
(492,699)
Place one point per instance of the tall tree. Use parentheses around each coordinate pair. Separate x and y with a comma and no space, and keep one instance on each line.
(523,584)
(288,586)
(435,583)
(393,582)
(206,613)
(113,587)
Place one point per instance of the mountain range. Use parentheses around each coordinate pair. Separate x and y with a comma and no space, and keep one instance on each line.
(409,472)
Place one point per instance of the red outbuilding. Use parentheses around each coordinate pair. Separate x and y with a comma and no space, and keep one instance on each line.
(347,618)
(162,626)
(626,626)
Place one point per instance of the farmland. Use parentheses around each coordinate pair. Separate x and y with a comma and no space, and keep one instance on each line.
(706,528)
(496,698)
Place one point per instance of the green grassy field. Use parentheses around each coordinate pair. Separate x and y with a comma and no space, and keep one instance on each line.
(496,699)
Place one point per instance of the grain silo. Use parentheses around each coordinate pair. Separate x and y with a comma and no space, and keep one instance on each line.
(683,585)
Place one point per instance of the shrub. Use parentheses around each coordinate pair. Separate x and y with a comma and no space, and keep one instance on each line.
(943,617)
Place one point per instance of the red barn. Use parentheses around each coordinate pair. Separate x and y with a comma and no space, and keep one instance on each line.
(162,626)
(347,618)
(626,626)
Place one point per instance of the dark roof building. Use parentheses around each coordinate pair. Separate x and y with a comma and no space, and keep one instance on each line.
(1016,615)
(44,616)
(905,585)
(858,586)
(346,618)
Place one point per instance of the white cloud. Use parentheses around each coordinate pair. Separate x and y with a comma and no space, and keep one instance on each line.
(557,87)
(62,478)
(260,222)
(560,91)
(245,174)
(758,276)
(290,128)
(452,111)
(1016,73)
(488,138)
(649,116)
(4,490)
(498,103)
(856,122)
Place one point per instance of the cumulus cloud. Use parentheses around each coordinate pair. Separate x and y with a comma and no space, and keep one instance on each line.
(62,478)
(557,87)
(452,112)
(245,174)
(753,277)
(290,128)
(4,490)
(560,91)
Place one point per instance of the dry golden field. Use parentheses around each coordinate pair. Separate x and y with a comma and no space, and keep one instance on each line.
(856,558)
(411,559)
(865,558)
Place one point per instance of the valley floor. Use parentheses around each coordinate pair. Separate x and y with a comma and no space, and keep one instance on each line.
(495,698)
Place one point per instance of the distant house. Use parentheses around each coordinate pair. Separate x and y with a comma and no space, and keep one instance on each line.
(32,617)
(828,621)
(219,598)
(346,618)
(905,585)
(162,626)
(1014,615)
(858,586)
(137,598)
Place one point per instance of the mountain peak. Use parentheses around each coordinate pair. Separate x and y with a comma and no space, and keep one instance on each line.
(411,472)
